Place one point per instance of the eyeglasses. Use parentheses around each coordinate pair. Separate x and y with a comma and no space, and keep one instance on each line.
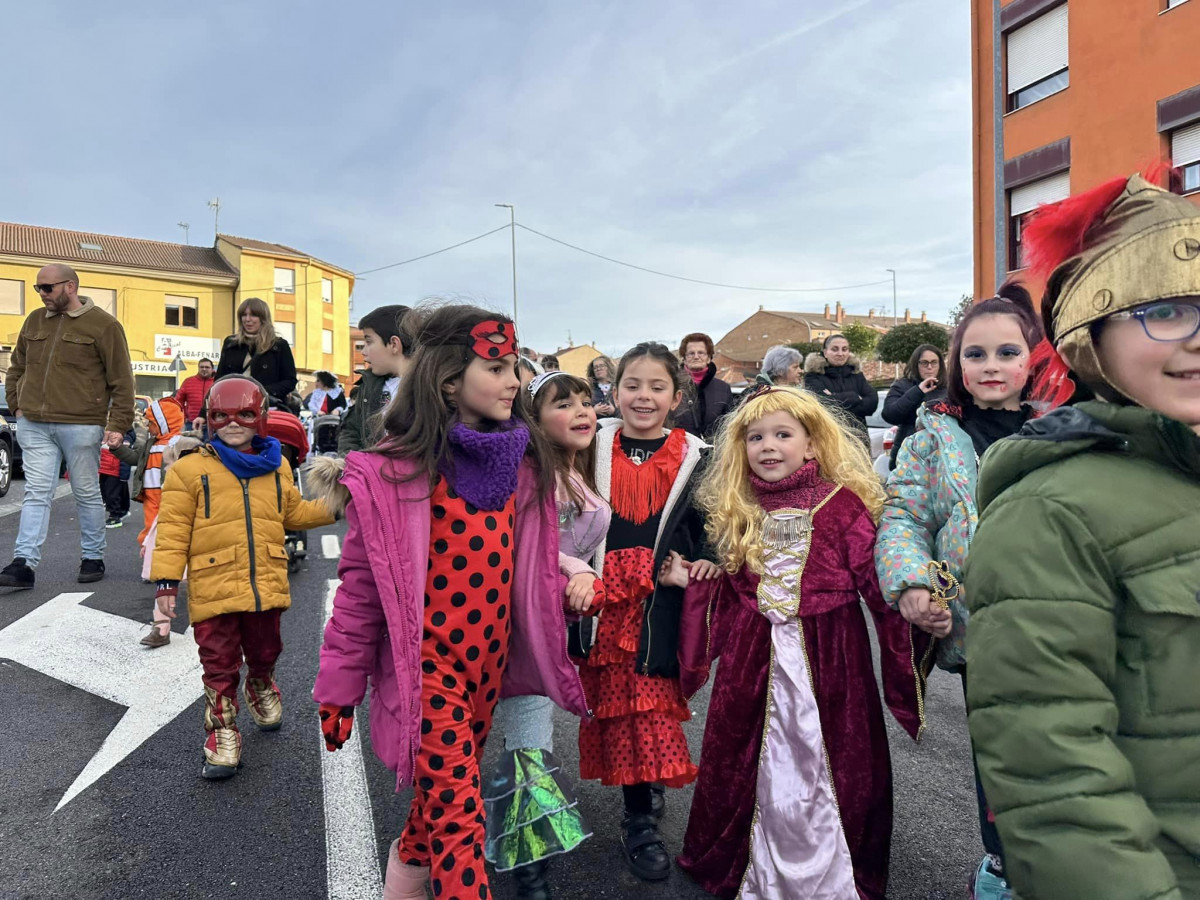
(696,354)
(47,288)
(928,363)
(1166,322)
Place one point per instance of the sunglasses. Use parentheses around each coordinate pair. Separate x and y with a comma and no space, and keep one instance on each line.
(47,288)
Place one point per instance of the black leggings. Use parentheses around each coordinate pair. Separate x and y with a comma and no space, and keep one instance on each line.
(987,827)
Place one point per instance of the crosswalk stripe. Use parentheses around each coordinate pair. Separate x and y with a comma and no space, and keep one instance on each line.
(331,547)
(351,860)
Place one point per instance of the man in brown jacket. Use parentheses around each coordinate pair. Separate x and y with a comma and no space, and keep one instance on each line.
(70,385)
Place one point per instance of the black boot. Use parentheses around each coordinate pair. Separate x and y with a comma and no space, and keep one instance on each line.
(531,881)
(644,850)
(658,799)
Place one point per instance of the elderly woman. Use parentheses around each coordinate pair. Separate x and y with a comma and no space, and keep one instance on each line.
(600,372)
(256,350)
(710,397)
(781,365)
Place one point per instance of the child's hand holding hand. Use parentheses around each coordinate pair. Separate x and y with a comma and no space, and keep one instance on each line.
(917,607)
(581,590)
(674,571)
(704,570)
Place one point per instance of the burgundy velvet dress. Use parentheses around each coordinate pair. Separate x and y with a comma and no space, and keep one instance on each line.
(836,568)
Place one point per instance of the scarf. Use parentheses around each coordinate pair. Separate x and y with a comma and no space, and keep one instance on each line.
(482,465)
(697,376)
(986,426)
(639,492)
(264,459)
(803,489)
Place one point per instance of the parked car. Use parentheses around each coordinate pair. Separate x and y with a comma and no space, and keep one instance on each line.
(14,456)
(883,436)
(8,442)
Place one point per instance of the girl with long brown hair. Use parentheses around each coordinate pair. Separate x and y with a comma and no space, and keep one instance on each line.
(450,586)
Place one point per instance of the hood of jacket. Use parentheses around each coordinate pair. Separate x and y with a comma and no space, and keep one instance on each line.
(816,362)
(1091,426)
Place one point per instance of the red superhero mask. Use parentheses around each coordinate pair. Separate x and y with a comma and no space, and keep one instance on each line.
(492,339)
(237,399)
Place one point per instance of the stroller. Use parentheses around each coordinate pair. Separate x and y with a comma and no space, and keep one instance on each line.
(293,443)
(323,431)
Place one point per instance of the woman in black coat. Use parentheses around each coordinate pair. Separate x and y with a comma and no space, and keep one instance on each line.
(835,375)
(923,381)
(707,398)
(255,350)
(601,372)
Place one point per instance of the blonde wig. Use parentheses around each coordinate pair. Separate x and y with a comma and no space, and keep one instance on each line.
(265,339)
(734,516)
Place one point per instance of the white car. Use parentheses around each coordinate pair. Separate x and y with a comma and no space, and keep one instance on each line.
(883,437)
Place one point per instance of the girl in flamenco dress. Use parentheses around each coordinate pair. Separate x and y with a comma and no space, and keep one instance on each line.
(794,797)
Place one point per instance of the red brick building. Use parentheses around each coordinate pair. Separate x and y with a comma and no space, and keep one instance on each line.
(739,353)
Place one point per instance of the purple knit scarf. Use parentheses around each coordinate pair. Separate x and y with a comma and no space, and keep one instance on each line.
(482,465)
(803,489)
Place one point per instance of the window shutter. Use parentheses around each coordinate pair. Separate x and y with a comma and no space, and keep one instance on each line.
(1185,145)
(1037,50)
(104,298)
(1029,197)
(12,296)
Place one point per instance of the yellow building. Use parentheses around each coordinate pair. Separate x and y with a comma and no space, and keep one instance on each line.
(574,359)
(177,301)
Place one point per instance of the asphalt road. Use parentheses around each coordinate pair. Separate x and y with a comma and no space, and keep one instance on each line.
(149,826)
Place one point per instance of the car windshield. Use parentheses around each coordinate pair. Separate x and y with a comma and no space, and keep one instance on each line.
(875,420)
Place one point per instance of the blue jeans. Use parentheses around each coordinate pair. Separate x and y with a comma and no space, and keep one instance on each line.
(44,445)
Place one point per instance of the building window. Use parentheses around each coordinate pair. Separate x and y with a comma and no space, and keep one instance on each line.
(1185,155)
(1037,59)
(358,346)
(327,290)
(181,311)
(287,331)
(105,298)
(1022,201)
(12,297)
(285,281)
(326,340)
(1171,4)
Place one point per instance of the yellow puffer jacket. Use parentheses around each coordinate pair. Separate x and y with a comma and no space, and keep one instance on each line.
(228,534)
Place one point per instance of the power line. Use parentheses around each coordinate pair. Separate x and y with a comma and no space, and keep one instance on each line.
(405,262)
(734,287)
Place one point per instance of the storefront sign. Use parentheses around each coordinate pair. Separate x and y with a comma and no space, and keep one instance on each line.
(141,367)
(172,346)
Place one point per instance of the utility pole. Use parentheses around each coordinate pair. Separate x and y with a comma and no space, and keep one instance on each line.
(895,318)
(512,218)
(215,205)
(185,227)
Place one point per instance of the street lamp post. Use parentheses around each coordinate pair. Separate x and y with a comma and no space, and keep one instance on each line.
(512,218)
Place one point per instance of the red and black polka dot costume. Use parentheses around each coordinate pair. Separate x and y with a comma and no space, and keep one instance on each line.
(464,648)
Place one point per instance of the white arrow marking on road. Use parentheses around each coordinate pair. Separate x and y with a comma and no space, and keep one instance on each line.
(331,548)
(99,653)
(351,858)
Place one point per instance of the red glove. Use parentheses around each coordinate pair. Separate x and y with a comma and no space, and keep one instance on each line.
(336,723)
(164,597)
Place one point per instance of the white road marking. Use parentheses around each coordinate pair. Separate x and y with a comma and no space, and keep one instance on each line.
(351,858)
(11,506)
(331,547)
(99,653)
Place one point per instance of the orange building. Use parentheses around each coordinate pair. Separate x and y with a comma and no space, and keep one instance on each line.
(1069,94)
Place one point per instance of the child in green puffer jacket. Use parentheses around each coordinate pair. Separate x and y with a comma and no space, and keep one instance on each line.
(1083,645)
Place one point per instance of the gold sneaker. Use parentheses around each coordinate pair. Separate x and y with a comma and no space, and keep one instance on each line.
(264,702)
(223,746)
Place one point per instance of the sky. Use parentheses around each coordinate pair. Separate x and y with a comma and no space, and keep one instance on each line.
(793,144)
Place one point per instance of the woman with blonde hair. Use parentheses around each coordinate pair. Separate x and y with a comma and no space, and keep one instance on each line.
(794,796)
(257,351)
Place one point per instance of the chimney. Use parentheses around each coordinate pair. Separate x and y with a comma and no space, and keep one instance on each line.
(907,316)
(760,307)
(827,310)
(924,316)
(840,313)
(870,314)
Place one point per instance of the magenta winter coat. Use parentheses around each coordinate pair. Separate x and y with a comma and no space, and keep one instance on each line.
(378,612)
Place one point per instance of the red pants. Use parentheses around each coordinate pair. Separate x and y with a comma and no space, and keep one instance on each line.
(224,640)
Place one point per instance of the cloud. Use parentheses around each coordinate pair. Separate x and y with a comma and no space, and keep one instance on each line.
(726,143)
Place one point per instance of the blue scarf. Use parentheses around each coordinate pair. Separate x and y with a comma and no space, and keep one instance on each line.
(264,460)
